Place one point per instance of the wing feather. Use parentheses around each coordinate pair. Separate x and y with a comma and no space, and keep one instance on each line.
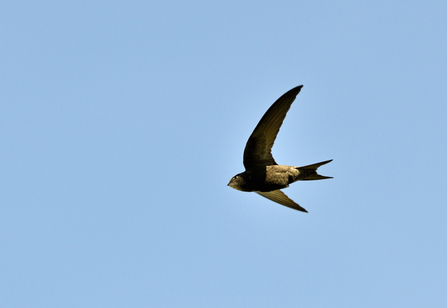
(258,150)
(279,197)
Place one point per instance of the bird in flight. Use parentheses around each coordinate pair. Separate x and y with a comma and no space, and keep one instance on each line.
(262,174)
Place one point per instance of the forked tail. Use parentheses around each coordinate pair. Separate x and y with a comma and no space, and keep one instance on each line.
(309,173)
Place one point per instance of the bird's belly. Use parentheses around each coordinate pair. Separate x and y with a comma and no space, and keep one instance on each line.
(275,177)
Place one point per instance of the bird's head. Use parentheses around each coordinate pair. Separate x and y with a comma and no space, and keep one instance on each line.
(238,182)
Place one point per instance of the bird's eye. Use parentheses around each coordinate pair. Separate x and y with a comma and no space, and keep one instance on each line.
(235,177)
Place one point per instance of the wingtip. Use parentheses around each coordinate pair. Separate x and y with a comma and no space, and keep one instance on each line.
(295,91)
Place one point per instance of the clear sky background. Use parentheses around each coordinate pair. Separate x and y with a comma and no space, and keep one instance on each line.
(121,123)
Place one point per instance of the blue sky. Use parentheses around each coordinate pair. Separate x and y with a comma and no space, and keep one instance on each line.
(121,123)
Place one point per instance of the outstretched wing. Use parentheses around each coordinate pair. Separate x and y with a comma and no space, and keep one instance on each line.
(258,151)
(279,197)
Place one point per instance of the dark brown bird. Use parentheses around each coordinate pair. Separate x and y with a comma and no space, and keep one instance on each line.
(262,174)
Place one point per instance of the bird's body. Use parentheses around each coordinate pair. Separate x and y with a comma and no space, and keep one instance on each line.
(266,178)
(262,174)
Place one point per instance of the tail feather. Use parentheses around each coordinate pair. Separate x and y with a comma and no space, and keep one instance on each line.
(309,172)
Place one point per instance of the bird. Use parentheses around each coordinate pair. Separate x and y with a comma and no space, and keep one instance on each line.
(262,174)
